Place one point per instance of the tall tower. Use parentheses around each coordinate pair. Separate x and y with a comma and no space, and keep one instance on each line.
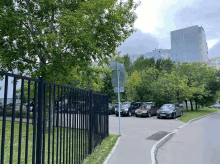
(189,44)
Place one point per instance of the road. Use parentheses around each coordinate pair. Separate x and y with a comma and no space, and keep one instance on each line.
(197,143)
(134,147)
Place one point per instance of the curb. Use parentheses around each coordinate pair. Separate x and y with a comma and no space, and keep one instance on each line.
(168,136)
(113,149)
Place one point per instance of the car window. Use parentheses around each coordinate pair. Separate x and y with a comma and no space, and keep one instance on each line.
(148,106)
(167,106)
(143,107)
(125,105)
(167,109)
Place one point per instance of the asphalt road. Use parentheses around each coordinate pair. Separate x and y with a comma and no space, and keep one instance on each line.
(133,147)
(197,143)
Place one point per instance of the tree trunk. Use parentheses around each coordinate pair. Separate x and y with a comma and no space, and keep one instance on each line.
(191,105)
(49,125)
(178,101)
(186,106)
(196,103)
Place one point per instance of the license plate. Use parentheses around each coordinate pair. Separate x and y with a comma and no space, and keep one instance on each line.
(162,114)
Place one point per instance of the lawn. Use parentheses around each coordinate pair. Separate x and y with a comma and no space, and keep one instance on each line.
(102,151)
(71,146)
(187,116)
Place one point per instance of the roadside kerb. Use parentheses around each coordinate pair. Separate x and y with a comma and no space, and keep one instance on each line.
(160,143)
(113,149)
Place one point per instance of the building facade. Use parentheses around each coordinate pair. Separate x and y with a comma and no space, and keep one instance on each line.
(189,44)
(214,63)
(158,53)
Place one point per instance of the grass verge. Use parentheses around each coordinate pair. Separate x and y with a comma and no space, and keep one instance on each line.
(187,116)
(102,151)
(64,146)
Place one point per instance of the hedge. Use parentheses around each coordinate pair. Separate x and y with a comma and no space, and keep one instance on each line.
(17,114)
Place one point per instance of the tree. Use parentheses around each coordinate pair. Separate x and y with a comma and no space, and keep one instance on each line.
(132,85)
(162,64)
(50,38)
(142,64)
(61,34)
(127,64)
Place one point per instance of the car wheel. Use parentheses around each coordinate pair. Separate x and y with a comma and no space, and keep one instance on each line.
(136,115)
(116,115)
(149,114)
(158,117)
(174,115)
(129,114)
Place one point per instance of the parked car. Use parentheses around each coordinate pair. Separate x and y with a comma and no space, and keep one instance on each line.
(134,106)
(111,108)
(169,111)
(217,105)
(124,110)
(17,106)
(147,109)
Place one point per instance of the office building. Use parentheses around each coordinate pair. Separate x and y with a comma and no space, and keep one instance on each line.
(189,44)
(214,63)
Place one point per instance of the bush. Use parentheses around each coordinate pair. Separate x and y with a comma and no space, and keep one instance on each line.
(17,114)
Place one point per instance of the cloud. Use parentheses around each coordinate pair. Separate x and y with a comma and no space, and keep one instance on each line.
(201,13)
(214,52)
(139,43)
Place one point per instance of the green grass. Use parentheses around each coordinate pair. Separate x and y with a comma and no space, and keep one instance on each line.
(187,116)
(102,151)
(30,143)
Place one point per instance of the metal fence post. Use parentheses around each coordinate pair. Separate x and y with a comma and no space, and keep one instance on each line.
(39,120)
(90,122)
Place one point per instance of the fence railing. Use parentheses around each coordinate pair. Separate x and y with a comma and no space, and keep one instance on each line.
(60,124)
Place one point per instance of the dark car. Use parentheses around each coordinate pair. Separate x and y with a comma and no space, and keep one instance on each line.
(134,106)
(17,106)
(170,111)
(124,110)
(111,108)
(147,109)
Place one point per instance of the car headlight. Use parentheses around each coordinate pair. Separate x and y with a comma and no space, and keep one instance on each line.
(126,109)
(170,112)
(158,111)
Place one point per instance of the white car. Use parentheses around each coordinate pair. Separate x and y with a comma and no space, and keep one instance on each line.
(216,105)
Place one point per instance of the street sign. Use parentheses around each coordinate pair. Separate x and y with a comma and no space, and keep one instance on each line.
(121,89)
(122,78)
(114,65)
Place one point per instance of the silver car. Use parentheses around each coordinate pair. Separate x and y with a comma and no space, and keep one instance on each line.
(216,105)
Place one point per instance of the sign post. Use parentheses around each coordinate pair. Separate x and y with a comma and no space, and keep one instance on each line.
(119,111)
(118,82)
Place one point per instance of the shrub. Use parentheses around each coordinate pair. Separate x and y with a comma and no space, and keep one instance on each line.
(17,114)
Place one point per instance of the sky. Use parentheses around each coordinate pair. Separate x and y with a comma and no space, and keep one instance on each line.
(157,18)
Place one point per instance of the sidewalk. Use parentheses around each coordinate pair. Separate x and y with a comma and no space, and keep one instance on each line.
(196,143)
(134,147)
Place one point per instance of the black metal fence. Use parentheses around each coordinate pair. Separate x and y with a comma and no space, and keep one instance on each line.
(60,124)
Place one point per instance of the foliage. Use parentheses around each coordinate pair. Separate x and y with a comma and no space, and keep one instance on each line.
(17,114)
(50,38)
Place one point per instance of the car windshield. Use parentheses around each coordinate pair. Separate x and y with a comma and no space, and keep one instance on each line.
(145,107)
(167,106)
(166,109)
(125,105)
